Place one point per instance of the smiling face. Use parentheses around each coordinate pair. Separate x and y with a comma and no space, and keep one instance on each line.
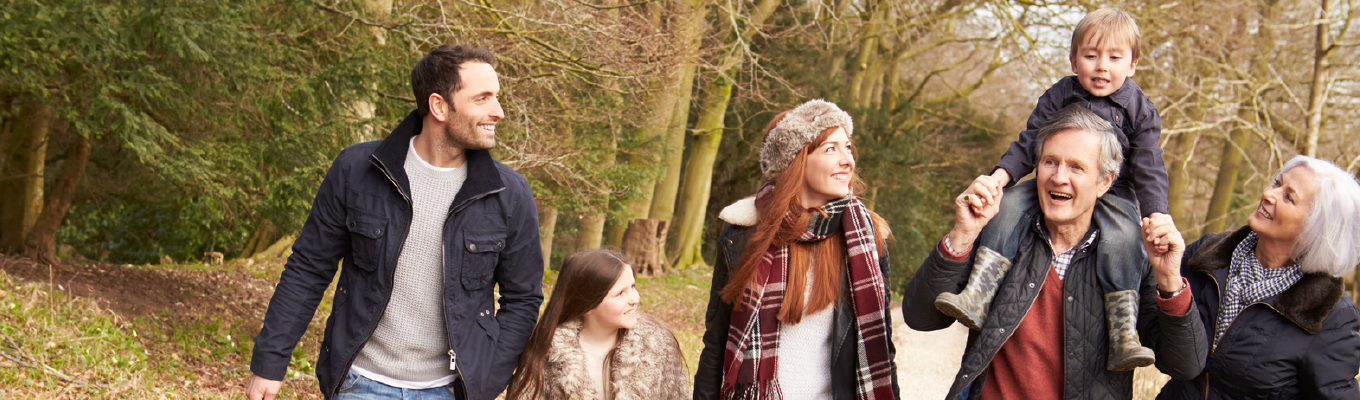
(1069,177)
(476,108)
(1102,64)
(828,172)
(618,310)
(1284,205)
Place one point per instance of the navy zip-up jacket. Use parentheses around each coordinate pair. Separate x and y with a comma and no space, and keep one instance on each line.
(361,215)
(1143,175)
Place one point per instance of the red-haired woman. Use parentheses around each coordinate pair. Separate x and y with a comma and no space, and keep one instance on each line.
(804,263)
(592,343)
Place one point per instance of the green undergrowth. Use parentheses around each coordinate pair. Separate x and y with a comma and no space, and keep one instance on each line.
(75,347)
(59,346)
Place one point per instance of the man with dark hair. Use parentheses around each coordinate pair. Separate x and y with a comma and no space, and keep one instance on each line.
(428,225)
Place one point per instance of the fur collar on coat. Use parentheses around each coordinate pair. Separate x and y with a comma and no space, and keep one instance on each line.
(1306,303)
(646,365)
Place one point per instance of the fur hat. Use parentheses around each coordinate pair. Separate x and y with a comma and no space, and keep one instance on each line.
(799,127)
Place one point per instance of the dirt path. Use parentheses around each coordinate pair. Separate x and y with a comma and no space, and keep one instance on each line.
(927,361)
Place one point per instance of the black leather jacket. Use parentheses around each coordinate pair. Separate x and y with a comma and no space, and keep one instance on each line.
(362,214)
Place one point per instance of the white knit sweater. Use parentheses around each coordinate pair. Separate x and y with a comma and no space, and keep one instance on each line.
(410,347)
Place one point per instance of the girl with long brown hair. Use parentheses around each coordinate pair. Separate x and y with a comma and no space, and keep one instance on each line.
(799,303)
(592,343)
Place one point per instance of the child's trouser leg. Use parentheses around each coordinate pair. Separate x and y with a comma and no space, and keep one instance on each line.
(997,245)
(1120,262)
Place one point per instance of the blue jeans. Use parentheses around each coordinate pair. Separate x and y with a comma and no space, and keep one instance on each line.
(357,387)
(1120,259)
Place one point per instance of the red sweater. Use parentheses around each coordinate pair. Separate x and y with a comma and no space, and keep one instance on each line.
(1031,361)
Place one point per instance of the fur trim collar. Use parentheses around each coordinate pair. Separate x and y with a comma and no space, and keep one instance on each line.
(741,213)
(1307,303)
(646,365)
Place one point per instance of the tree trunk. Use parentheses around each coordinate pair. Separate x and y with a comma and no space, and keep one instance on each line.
(645,245)
(1181,150)
(21,183)
(688,33)
(265,235)
(1317,94)
(1226,183)
(282,247)
(547,221)
(708,136)
(589,231)
(363,109)
(42,240)
(699,174)
(665,191)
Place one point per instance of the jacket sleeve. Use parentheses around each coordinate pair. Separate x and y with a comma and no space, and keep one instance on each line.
(324,240)
(1019,158)
(519,275)
(1329,367)
(1179,341)
(708,375)
(936,275)
(1145,157)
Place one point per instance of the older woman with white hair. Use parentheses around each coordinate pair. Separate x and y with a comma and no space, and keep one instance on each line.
(1272,291)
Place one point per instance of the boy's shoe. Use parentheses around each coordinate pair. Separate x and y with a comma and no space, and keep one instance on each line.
(970,306)
(1121,316)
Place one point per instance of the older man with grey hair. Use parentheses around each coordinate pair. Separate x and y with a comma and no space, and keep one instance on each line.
(1043,334)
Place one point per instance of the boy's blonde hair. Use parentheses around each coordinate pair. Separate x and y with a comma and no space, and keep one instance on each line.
(1107,24)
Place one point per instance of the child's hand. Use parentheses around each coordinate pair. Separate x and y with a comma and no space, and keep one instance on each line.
(1002,178)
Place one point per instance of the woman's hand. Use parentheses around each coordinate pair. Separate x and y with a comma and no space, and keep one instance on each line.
(1164,246)
(972,209)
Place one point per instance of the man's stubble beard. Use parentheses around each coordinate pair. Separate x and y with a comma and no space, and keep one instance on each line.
(461,132)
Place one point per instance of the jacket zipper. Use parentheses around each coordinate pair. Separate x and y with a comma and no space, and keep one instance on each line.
(444,300)
(1226,328)
(390,277)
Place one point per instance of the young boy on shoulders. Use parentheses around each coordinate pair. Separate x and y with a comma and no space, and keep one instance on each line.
(1104,56)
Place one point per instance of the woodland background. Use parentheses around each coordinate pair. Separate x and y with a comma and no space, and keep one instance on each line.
(136,129)
(138,136)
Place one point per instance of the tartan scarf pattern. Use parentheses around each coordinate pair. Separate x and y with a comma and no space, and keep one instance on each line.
(751,357)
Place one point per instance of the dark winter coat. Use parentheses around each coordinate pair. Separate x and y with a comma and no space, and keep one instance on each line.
(362,214)
(1300,344)
(708,376)
(1178,341)
(1137,124)
(646,365)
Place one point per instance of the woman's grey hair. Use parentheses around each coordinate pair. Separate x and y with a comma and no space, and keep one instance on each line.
(1330,240)
(1077,117)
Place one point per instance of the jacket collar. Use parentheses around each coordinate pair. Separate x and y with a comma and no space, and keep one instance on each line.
(636,369)
(740,213)
(1126,96)
(1307,303)
(390,157)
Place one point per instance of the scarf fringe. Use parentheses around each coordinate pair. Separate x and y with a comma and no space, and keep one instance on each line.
(754,391)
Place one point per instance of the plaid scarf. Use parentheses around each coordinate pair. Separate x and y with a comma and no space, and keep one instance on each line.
(751,358)
(1250,282)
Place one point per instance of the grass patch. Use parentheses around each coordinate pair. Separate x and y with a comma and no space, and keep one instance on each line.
(59,346)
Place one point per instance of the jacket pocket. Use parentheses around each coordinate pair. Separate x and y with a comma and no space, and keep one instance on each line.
(481,252)
(366,232)
(491,326)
